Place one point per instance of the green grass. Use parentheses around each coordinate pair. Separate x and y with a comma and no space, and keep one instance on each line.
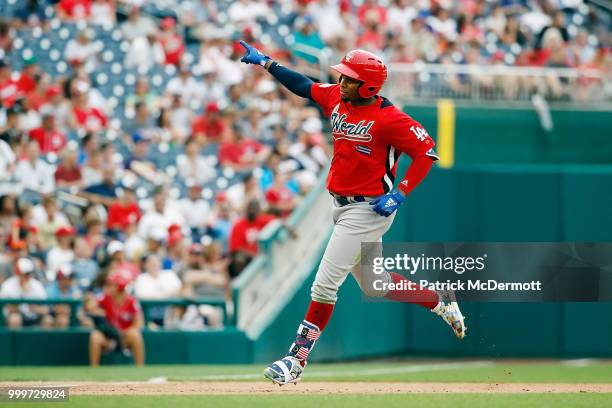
(596,372)
(341,401)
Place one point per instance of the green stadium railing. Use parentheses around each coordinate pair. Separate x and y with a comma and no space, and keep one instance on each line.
(146,305)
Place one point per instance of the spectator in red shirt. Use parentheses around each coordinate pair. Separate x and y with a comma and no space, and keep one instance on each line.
(243,237)
(26,82)
(171,42)
(210,126)
(280,198)
(84,116)
(8,87)
(124,211)
(241,153)
(371,7)
(68,173)
(74,10)
(49,138)
(118,321)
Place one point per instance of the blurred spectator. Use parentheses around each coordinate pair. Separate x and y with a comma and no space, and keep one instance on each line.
(155,283)
(243,237)
(48,218)
(372,8)
(145,52)
(74,10)
(82,50)
(205,273)
(33,172)
(210,126)
(6,37)
(26,81)
(142,94)
(85,116)
(245,12)
(84,267)
(124,211)
(143,122)
(64,287)
(93,169)
(137,25)
(179,117)
(186,85)
(221,220)
(49,138)
(104,192)
(161,216)
(103,13)
(241,153)
(171,41)
(24,285)
(306,41)
(194,209)
(241,193)
(280,199)
(122,312)
(68,174)
(31,13)
(61,253)
(7,163)
(119,262)
(193,166)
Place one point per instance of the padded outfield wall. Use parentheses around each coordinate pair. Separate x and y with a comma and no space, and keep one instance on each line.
(483,202)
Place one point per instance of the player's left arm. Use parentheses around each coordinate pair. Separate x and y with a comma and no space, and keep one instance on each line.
(294,81)
(410,137)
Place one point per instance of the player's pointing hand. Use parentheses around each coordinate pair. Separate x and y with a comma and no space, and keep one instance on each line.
(253,55)
(386,204)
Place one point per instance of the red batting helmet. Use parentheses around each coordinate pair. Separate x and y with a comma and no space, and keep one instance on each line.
(366,67)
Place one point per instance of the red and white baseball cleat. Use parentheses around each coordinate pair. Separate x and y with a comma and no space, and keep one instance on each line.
(450,313)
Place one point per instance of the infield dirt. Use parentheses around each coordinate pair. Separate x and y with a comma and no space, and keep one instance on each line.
(228,388)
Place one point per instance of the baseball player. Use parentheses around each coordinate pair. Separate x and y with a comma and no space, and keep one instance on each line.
(369,135)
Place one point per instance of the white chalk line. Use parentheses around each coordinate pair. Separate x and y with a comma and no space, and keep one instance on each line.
(357,373)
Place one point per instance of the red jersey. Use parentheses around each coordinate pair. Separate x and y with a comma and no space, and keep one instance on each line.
(121,216)
(243,236)
(48,140)
(90,119)
(123,315)
(368,141)
(238,152)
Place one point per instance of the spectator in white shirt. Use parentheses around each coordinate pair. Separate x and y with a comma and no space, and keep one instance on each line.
(62,253)
(195,209)
(137,25)
(145,52)
(194,166)
(81,50)
(160,217)
(24,286)
(7,161)
(155,283)
(103,13)
(185,85)
(33,172)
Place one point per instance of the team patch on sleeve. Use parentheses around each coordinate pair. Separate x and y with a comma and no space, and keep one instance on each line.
(363,149)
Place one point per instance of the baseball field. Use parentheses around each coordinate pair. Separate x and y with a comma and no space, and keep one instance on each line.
(398,383)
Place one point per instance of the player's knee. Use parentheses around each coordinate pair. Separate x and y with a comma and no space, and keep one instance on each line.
(374,285)
(324,293)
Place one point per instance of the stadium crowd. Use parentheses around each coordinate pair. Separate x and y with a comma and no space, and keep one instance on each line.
(136,152)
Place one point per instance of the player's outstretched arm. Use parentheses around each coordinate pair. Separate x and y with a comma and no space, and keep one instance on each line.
(297,83)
